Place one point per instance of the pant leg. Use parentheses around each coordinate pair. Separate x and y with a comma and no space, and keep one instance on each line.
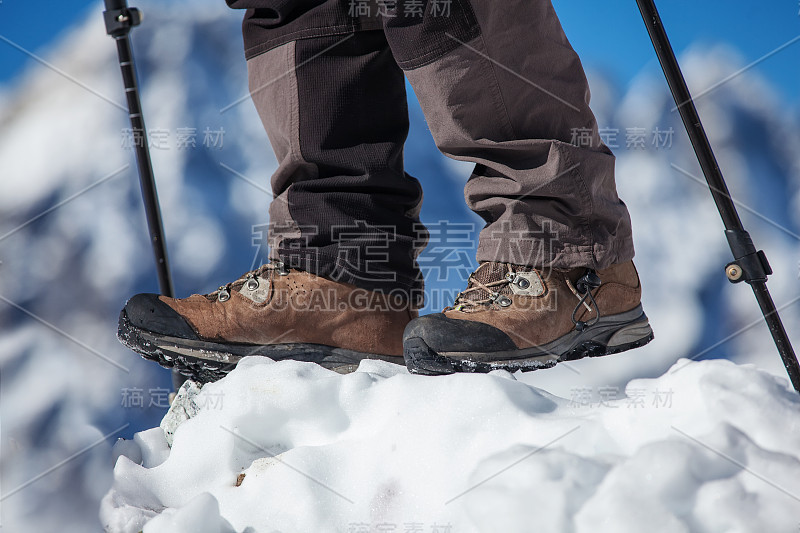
(501,86)
(335,110)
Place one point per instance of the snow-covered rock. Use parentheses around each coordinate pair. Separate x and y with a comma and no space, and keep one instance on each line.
(708,447)
(183,407)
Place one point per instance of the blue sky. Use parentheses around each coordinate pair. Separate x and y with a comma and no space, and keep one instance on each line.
(609,35)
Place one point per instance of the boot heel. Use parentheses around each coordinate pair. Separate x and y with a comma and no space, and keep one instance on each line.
(630,336)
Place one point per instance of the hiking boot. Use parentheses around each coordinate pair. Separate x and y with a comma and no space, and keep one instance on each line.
(271,311)
(520,318)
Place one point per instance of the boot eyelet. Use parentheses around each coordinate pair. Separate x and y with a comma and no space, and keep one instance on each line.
(281,268)
(500,299)
(504,301)
(522,283)
(224,295)
(252,284)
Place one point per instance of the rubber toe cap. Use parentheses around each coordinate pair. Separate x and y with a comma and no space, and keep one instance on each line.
(443,334)
(146,311)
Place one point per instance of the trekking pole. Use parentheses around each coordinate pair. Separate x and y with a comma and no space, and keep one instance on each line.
(119,19)
(749,265)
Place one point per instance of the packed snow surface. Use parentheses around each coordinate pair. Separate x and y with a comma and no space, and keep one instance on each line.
(709,446)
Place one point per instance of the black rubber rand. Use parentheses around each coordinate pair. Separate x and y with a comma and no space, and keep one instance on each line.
(426,351)
(207,361)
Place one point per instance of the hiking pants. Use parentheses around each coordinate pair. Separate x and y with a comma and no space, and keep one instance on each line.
(500,86)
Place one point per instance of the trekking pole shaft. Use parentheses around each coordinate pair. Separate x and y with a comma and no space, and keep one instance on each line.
(149,193)
(689,115)
(752,264)
(119,20)
(778,332)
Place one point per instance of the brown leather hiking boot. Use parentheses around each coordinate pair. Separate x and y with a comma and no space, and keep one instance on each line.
(520,318)
(274,312)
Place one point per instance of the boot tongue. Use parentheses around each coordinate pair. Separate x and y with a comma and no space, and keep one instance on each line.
(485,274)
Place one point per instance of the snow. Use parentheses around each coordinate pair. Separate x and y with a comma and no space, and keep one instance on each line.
(708,447)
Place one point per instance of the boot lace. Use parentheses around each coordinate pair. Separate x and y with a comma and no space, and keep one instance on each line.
(224,292)
(583,291)
(464,302)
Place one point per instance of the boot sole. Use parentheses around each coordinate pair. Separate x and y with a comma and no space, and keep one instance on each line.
(610,335)
(207,361)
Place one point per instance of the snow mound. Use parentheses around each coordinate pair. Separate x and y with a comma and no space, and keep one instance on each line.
(291,447)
